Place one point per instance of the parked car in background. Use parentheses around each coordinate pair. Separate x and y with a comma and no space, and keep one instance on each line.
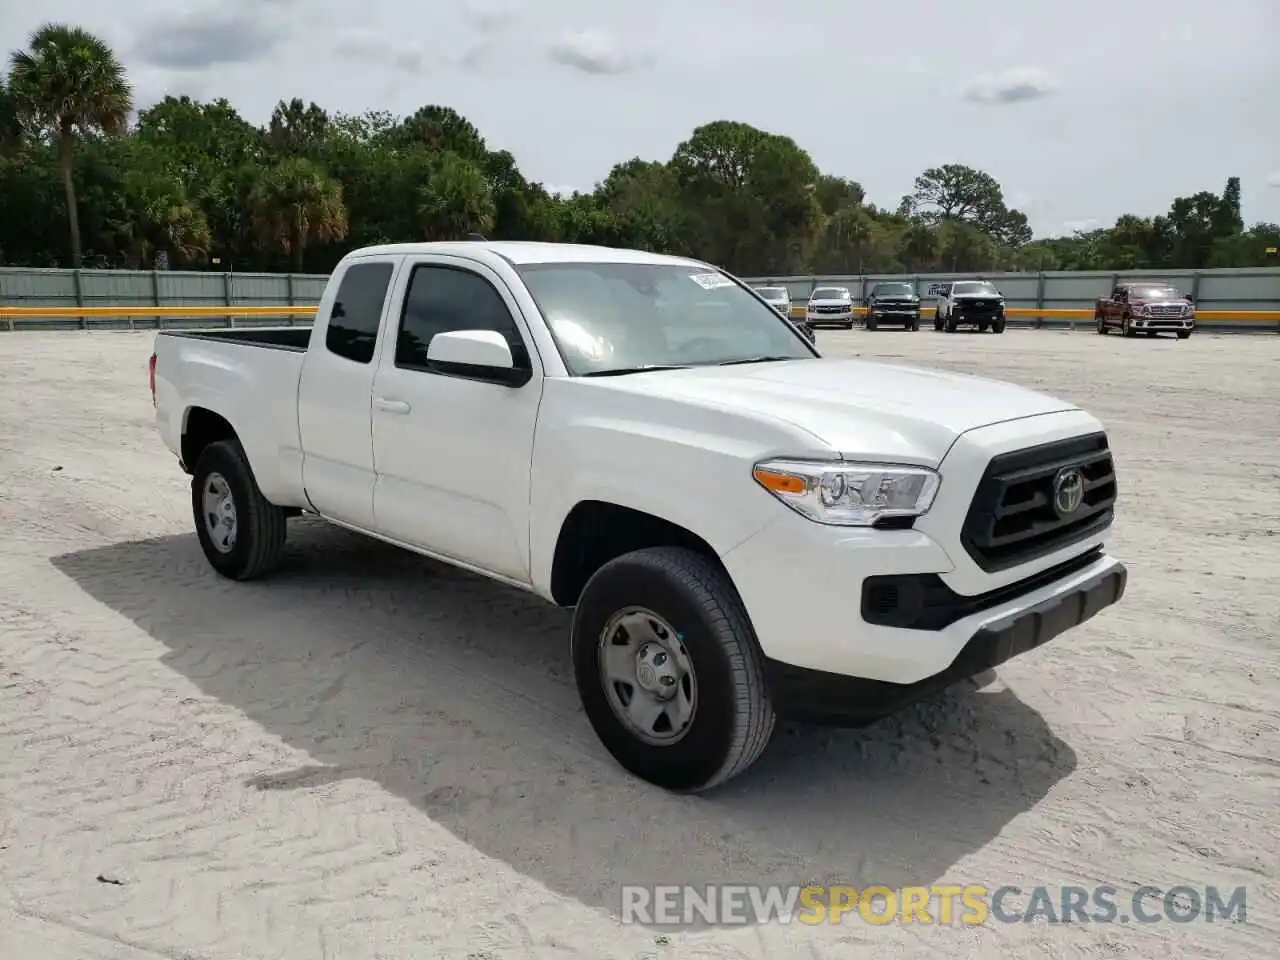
(976,303)
(894,303)
(777,297)
(830,307)
(742,529)
(1146,306)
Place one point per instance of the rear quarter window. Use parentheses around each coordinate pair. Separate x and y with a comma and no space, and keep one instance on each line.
(357,311)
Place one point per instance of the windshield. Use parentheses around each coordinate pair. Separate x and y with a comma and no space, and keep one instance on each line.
(892,290)
(1155,292)
(773,293)
(829,293)
(976,288)
(609,317)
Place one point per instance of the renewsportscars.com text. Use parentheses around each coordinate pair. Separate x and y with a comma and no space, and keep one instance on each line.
(940,904)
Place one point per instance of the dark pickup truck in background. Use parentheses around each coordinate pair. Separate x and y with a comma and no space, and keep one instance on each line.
(1146,306)
(893,303)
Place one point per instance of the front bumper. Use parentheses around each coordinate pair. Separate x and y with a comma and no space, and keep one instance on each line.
(1163,323)
(894,314)
(822,697)
(818,319)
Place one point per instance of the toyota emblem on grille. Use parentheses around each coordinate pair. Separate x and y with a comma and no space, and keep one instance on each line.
(1068,491)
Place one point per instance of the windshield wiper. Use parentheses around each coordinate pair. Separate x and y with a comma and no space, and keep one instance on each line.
(761,359)
(622,371)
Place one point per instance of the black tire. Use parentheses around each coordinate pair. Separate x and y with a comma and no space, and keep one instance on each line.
(260,526)
(997,326)
(1126,329)
(937,323)
(732,720)
(1183,334)
(952,326)
(913,326)
(1102,325)
(871,323)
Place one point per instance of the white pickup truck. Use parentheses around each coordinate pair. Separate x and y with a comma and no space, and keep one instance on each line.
(744,529)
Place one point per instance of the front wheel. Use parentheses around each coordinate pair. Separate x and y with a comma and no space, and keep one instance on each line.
(1102,325)
(1126,329)
(669,671)
(997,326)
(1183,334)
(241,533)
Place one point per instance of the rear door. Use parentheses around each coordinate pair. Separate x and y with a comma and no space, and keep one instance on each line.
(336,389)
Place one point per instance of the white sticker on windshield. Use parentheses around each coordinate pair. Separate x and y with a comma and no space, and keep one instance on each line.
(710,281)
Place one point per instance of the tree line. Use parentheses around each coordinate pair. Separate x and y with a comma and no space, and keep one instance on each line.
(184,183)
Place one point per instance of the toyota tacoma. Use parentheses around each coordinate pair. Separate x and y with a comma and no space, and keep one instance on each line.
(743,529)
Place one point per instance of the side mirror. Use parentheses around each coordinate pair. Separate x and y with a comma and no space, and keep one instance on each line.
(477,354)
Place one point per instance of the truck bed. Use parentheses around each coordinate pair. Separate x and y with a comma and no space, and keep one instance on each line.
(273,338)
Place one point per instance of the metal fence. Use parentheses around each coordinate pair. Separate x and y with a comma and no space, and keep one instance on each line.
(31,298)
(82,292)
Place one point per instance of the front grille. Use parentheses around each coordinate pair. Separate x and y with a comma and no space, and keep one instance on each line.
(836,309)
(1012,518)
(976,306)
(1166,310)
(890,306)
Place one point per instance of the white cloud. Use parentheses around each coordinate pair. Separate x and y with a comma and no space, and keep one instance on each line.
(376,48)
(597,52)
(1015,85)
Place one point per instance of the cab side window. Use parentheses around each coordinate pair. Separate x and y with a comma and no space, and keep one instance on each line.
(442,299)
(357,310)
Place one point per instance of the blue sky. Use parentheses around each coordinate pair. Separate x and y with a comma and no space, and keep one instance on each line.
(1082,111)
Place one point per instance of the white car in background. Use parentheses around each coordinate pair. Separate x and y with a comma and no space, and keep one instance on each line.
(777,297)
(830,307)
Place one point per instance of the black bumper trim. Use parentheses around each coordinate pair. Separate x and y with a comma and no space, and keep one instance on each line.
(815,696)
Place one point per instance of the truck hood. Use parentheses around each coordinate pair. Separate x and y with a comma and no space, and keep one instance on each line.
(858,408)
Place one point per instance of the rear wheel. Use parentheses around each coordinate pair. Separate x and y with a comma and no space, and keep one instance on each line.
(913,326)
(1102,325)
(871,323)
(952,326)
(669,671)
(241,533)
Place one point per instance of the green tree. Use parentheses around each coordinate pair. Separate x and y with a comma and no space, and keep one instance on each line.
(69,83)
(455,200)
(296,204)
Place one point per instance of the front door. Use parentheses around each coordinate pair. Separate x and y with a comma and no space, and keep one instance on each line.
(453,453)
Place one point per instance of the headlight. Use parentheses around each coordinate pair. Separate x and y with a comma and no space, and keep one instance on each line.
(849,494)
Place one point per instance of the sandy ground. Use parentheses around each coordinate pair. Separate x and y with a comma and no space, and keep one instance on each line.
(374,756)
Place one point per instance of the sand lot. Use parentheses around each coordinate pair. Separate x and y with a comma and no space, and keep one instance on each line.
(372,755)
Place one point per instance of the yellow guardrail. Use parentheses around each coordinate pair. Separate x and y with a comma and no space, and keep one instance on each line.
(308,310)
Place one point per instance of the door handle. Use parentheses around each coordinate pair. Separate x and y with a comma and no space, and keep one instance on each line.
(391,406)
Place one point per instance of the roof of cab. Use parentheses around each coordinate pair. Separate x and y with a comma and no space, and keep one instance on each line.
(522,251)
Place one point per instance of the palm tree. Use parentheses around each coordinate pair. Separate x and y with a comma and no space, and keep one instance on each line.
(296,203)
(10,123)
(69,83)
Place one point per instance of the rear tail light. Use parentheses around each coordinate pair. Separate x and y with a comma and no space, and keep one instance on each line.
(151,377)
